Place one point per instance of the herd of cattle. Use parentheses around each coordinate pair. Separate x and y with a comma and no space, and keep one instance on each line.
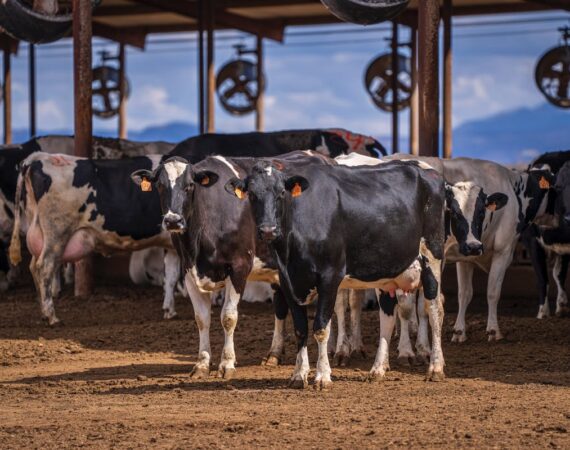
(318,216)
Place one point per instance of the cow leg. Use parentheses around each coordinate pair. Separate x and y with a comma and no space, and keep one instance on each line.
(499,266)
(47,270)
(559,273)
(406,306)
(538,259)
(327,291)
(355,301)
(202,314)
(229,317)
(437,363)
(68,274)
(277,349)
(423,347)
(171,275)
(299,379)
(464,296)
(342,351)
(387,322)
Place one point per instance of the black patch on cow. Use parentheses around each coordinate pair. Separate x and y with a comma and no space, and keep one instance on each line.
(458,223)
(478,215)
(8,211)
(126,210)
(535,194)
(4,265)
(9,169)
(429,282)
(41,181)
(82,208)
(387,303)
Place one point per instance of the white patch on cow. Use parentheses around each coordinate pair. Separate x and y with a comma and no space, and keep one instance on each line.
(408,280)
(356,159)
(204,284)
(227,163)
(541,167)
(257,291)
(323,373)
(268,170)
(466,194)
(174,169)
(260,272)
(229,322)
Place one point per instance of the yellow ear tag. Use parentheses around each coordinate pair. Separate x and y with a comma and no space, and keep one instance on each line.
(492,207)
(543,183)
(146,186)
(239,193)
(296,191)
(205,181)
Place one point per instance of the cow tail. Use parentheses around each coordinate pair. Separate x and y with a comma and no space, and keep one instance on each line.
(284,279)
(15,244)
(378,148)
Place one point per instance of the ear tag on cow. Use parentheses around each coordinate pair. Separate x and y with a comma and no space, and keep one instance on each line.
(543,183)
(296,191)
(492,207)
(205,181)
(239,193)
(146,186)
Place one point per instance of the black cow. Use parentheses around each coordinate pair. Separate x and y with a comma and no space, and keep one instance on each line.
(555,236)
(331,142)
(328,229)
(214,235)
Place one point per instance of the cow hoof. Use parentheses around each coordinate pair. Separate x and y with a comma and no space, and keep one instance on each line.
(406,361)
(562,311)
(376,376)
(270,360)
(298,382)
(494,335)
(170,314)
(227,373)
(358,353)
(54,322)
(340,360)
(200,373)
(322,385)
(459,336)
(435,375)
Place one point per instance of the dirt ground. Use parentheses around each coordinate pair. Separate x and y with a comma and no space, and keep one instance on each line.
(117,375)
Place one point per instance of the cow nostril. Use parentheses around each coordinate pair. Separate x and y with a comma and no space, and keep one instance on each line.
(267,233)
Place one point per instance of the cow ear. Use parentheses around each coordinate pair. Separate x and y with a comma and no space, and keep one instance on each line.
(143,178)
(237,187)
(296,185)
(496,201)
(206,178)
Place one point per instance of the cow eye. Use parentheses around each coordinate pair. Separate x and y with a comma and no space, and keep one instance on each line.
(282,193)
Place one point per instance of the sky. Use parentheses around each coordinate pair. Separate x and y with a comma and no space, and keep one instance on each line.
(313,80)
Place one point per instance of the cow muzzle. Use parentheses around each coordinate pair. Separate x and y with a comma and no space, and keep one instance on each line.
(472,249)
(267,233)
(174,223)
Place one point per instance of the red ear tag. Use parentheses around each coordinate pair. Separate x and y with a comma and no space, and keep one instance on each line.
(492,207)
(543,183)
(205,181)
(239,193)
(296,191)
(146,186)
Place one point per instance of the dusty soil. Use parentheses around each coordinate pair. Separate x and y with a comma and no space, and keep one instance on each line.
(117,375)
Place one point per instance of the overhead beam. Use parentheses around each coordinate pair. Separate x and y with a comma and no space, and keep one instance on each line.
(270,29)
(555,4)
(125,36)
(8,42)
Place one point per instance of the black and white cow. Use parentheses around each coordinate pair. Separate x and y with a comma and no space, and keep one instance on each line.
(75,206)
(526,192)
(553,236)
(215,237)
(331,142)
(329,232)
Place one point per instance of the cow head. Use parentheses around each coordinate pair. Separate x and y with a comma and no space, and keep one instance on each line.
(466,204)
(176,182)
(270,192)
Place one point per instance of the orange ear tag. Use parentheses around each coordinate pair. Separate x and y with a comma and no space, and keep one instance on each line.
(205,181)
(492,207)
(239,193)
(296,191)
(543,183)
(146,186)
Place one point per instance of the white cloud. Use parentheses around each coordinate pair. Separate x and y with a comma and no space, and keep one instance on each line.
(51,116)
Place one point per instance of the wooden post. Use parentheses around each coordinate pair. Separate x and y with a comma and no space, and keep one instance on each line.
(395,124)
(82,81)
(447,79)
(122,93)
(32,79)
(201,65)
(211,78)
(259,107)
(7,93)
(428,73)
(414,142)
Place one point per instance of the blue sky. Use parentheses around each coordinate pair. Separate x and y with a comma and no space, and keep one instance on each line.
(313,80)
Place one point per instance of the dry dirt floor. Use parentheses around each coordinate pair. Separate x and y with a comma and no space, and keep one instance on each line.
(117,376)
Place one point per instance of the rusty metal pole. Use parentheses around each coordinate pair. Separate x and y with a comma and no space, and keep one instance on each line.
(428,76)
(211,78)
(201,65)
(447,79)
(122,93)
(414,142)
(32,80)
(7,94)
(395,61)
(259,107)
(82,80)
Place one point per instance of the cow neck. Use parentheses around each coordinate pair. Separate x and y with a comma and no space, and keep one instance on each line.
(527,187)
